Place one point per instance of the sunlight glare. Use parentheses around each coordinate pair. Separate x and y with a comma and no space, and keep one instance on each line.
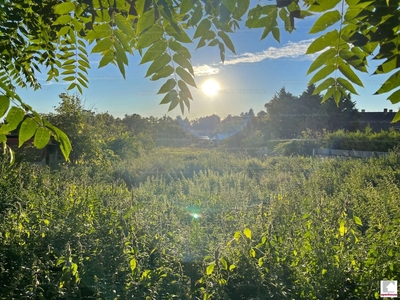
(210,87)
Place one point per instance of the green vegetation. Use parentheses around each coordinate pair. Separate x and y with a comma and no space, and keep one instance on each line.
(54,37)
(189,224)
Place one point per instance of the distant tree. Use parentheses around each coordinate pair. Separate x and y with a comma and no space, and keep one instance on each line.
(289,115)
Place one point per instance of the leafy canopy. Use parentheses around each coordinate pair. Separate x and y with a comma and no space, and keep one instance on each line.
(53,36)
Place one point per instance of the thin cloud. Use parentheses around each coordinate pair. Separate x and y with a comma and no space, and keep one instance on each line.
(291,50)
(205,70)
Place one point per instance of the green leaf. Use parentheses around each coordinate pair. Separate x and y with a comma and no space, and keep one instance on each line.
(391,83)
(322,59)
(124,25)
(13,119)
(322,6)
(173,94)
(154,51)
(132,264)
(247,233)
(322,73)
(324,85)
(328,94)
(178,48)
(186,76)
(27,130)
(42,137)
(62,138)
(185,6)
(327,19)
(4,104)
(182,61)
(62,20)
(123,39)
(396,117)
(224,263)
(103,45)
(227,41)
(106,59)
(347,85)
(242,7)
(167,86)
(389,65)
(336,96)
(342,227)
(232,267)
(210,268)
(357,220)
(159,63)
(164,72)
(345,69)
(184,89)
(64,8)
(145,21)
(174,103)
(230,4)
(394,98)
(326,40)
(196,15)
(150,36)
(252,253)
(237,235)
(203,28)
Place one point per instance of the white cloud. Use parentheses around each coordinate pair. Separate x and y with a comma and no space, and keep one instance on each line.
(205,70)
(291,50)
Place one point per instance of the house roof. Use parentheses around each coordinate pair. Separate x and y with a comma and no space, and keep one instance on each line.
(378,120)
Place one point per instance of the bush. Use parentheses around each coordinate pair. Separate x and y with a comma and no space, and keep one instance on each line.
(296,147)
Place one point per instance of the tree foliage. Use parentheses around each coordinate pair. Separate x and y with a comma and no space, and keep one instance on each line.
(54,37)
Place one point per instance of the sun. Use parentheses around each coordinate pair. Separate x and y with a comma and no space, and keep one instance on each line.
(210,87)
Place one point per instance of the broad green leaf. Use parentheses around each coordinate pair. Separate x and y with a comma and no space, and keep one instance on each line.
(185,76)
(132,264)
(167,86)
(327,19)
(391,83)
(345,69)
(139,5)
(164,72)
(247,233)
(224,263)
(336,96)
(389,65)
(322,6)
(276,34)
(396,117)
(322,73)
(252,252)
(4,104)
(123,39)
(182,61)
(159,63)
(150,36)
(62,138)
(328,94)
(121,66)
(326,40)
(185,6)
(221,47)
(210,269)
(14,118)
(42,137)
(342,227)
(178,48)
(357,220)
(180,35)
(184,89)
(196,15)
(62,20)
(232,267)
(322,59)
(124,25)
(230,4)
(103,45)
(120,53)
(174,103)
(106,59)
(27,130)
(227,41)
(324,85)
(395,97)
(241,9)
(64,8)
(145,21)
(173,94)
(347,85)
(202,29)
(154,51)
(237,235)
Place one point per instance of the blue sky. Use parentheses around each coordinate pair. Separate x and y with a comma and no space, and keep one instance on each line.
(248,79)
